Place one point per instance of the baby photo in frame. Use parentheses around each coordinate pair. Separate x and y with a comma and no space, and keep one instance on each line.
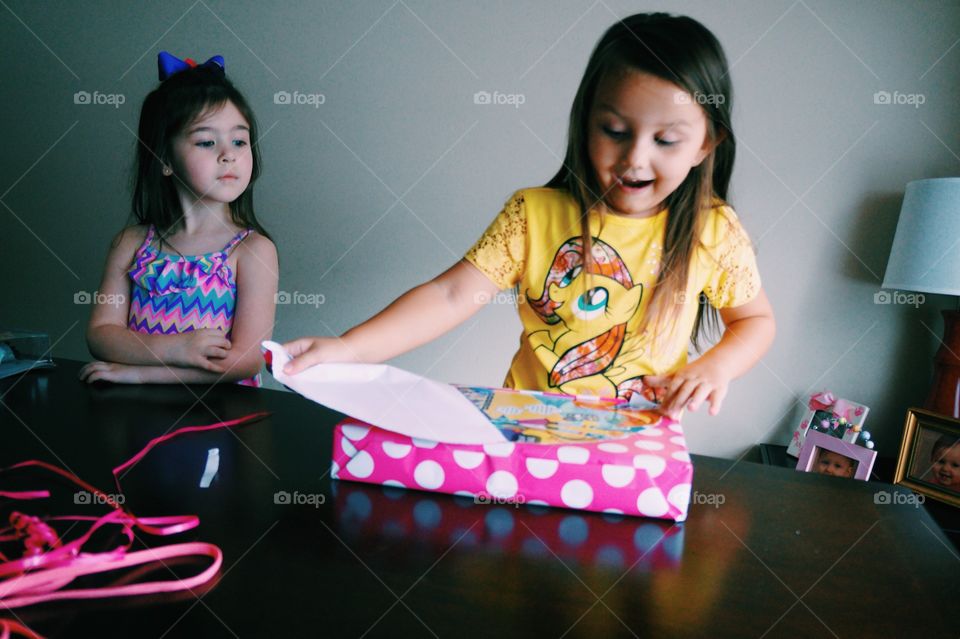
(929,460)
(828,455)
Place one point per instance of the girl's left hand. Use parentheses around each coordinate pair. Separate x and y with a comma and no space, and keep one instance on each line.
(689,388)
(110,372)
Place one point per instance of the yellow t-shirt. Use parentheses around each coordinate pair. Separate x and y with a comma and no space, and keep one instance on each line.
(581,341)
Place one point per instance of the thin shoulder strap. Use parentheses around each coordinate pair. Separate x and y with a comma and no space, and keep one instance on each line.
(239,237)
(146,241)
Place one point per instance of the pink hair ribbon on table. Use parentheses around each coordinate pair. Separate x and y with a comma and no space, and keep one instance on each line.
(48,563)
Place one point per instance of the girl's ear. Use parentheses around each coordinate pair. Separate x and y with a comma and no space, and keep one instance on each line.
(709,145)
(166,166)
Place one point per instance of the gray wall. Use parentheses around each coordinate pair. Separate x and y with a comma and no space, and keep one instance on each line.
(398,171)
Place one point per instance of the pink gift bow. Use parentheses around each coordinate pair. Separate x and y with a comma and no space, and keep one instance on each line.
(50,565)
(844,409)
(822,401)
(840,407)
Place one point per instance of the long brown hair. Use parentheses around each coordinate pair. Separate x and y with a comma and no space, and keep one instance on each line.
(682,51)
(168,110)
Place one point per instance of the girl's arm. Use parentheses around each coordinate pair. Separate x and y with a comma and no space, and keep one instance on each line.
(145,374)
(109,339)
(256,276)
(749,332)
(418,316)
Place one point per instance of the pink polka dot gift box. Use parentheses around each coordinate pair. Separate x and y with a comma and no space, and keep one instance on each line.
(498,445)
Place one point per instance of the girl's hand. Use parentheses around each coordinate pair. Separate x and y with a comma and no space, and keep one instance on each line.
(201,349)
(749,332)
(690,387)
(308,351)
(110,372)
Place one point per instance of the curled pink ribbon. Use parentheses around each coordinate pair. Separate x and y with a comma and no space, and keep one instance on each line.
(49,563)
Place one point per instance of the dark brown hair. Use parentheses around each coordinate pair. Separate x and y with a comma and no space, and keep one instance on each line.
(682,51)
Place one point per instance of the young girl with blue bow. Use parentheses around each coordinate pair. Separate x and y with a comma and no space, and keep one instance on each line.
(197,276)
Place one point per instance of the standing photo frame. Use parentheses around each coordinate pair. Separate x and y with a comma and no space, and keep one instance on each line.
(929,459)
(830,455)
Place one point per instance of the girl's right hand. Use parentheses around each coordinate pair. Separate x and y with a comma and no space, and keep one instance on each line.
(201,349)
(308,351)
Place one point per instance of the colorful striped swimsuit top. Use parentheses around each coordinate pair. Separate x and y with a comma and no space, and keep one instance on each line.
(176,294)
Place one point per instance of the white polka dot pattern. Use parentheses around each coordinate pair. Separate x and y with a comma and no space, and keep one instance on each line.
(573,454)
(395,450)
(361,465)
(428,474)
(502,484)
(576,493)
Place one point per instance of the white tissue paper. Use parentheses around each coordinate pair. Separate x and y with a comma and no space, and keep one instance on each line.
(390,398)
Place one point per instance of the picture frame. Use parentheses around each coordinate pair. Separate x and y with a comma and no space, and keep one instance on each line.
(820,448)
(825,406)
(929,459)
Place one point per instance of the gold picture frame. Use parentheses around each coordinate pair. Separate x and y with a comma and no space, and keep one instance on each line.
(929,459)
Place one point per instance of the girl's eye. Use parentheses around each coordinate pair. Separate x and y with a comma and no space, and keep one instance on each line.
(615,134)
(662,142)
(240,142)
(206,144)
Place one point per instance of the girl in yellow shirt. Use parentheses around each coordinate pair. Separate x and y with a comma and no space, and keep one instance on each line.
(627,254)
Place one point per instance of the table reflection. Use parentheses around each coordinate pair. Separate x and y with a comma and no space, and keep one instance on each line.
(368,512)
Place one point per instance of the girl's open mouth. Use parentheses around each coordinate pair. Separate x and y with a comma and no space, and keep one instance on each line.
(633,185)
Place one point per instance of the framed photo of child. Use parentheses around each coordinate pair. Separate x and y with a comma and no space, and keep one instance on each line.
(929,460)
(829,455)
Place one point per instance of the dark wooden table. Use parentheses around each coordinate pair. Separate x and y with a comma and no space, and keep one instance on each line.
(766,552)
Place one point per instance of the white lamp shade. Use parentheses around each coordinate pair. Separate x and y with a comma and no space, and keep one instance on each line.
(926,249)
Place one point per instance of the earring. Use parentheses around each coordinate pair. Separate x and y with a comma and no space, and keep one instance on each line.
(167,171)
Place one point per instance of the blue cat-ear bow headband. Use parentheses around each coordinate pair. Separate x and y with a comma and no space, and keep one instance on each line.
(168,65)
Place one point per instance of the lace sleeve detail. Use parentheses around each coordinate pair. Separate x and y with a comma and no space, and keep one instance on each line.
(735,279)
(500,253)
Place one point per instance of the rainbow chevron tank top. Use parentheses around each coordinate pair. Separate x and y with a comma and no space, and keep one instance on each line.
(177,294)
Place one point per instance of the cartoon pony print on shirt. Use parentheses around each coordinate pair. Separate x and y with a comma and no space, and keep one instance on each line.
(586,327)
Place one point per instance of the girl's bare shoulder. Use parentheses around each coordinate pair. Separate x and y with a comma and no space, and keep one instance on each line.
(130,237)
(259,249)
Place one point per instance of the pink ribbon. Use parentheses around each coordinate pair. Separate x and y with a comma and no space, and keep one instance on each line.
(49,563)
(9,626)
(822,401)
(847,410)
